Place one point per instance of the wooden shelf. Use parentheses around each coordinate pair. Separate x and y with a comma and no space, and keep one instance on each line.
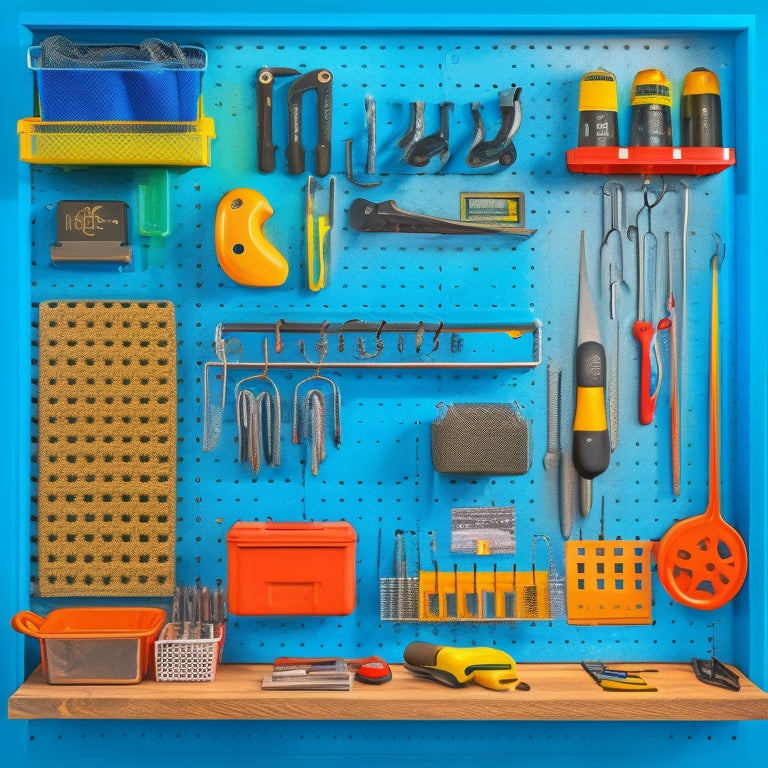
(558,692)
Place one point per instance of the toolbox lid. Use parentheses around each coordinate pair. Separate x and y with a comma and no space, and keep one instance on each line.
(291,534)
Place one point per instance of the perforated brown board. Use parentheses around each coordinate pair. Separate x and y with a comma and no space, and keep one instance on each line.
(107,448)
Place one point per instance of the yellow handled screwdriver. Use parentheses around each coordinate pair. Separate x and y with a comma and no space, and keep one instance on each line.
(591,441)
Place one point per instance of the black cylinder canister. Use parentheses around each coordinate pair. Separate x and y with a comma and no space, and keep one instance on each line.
(651,110)
(700,110)
(598,108)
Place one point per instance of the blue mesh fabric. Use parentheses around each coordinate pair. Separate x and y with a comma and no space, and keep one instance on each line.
(155,80)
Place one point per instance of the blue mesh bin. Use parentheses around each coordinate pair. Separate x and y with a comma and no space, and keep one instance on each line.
(155,81)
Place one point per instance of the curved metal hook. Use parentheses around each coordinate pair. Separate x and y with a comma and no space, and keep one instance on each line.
(659,195)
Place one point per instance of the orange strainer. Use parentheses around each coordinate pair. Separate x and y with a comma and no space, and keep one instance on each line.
(702,560)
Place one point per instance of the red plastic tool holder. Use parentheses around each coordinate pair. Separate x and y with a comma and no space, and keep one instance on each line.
(649,161)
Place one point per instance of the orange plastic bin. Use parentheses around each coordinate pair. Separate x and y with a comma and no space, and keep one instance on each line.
(297,569)
(93,645)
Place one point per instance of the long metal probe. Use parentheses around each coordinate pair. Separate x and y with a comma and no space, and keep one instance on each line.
(683,347)
(674,401)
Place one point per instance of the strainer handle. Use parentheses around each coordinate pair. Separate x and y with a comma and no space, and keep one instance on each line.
(28,623)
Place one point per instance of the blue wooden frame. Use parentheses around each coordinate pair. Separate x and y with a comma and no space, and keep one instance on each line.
(83,744)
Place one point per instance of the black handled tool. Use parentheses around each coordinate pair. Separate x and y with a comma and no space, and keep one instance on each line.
(501,148)
(420,152)
(264,87)
(591,441)
(367,216)
(320,80)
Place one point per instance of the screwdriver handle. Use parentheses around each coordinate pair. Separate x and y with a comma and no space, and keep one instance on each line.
(591,441)
(644,332)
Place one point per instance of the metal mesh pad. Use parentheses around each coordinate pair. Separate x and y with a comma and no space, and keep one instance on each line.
(107,448)
(481,438)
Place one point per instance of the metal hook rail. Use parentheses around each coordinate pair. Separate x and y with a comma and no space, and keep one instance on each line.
(427,335)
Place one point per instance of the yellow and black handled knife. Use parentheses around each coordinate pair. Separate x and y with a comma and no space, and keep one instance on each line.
(591,441)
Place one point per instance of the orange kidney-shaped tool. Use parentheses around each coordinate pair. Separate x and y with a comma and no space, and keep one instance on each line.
(244,253)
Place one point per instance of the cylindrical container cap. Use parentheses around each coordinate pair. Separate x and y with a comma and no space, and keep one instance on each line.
(699,81)
(598,92)
(651,86)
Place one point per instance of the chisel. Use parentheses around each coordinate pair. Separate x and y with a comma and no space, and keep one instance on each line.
(591,440)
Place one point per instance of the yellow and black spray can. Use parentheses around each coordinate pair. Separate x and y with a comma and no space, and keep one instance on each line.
(598,108)
(651,110)
(700,110)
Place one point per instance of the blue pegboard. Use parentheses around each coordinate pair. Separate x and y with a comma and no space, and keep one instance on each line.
(381,478)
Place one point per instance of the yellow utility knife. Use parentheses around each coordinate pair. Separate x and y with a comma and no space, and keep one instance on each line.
(318,234)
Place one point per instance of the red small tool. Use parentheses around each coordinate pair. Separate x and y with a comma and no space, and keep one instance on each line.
(372,670)
(644,329)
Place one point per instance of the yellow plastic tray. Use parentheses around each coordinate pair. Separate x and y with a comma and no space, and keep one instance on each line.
(115,143)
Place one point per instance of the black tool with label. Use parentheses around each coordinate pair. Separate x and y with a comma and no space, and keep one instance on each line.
(91,231)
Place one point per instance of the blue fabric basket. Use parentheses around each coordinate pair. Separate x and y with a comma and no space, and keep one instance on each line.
(154,81)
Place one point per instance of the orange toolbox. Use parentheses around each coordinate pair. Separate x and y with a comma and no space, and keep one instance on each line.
(298,568)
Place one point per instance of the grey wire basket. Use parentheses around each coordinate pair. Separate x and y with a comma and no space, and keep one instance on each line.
(186,660)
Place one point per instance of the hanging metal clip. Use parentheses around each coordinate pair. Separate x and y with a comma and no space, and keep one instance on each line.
(501,149)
